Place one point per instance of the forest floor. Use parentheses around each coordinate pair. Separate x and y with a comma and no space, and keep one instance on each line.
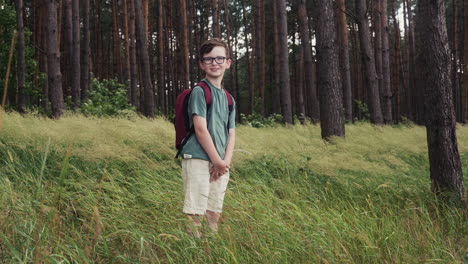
(108,190)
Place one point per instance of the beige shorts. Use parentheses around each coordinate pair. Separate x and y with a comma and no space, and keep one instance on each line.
(200,194)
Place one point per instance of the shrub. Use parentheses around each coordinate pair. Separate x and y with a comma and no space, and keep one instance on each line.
(107,98)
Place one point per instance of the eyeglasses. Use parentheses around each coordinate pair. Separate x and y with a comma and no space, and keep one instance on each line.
(209,60)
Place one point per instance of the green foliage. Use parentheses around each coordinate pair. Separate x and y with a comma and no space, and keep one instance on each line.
(363,110)
(259,121)
(107,98)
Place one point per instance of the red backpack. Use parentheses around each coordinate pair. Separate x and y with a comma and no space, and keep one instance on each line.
(182,119)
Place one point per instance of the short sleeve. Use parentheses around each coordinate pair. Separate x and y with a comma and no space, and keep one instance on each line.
(232,115)
(197,102)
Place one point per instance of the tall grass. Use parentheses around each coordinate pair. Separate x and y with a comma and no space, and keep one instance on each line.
(107,190)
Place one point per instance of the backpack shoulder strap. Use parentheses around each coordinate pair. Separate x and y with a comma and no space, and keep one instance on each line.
(207,91)
(230,100)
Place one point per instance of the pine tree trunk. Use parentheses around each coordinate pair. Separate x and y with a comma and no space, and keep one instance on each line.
(76,50)
(67,47)
(377,26)
(369,63)
(328,72)
(397,66)
(185,81)
(434,78)
(248,60)
(232,83)
(417,101)
(43,62)
(161,83)
(465,65)
(310,85)
(455,80)
(53,61)
(277,92)
(300,87)
(405,69)
(344,59)
(261,54)
(386,89)
(116,41)
(126,66)
(134,92)
(143,49)
(21,65)
(86,52)
(284,62)
(215,10)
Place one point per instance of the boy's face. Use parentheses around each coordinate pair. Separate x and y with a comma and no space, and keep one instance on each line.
(215,62)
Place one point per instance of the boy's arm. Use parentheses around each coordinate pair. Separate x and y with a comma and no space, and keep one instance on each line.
(230,146)
(204,137)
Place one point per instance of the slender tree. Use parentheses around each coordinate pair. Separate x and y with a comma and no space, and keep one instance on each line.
(185,76)
(386,89)
(397,65)
(143,49)
(455,80)
(21,65)
(344,59)
(216,27)
(369,63)
(76,52)
(276,51)
(465,65)
(261,53)
(133,92)
(86,52)
(161,83)
(310,85)
(284,62)
(116,60)
(54,75)
(434,64)
(416,100)
(329,81)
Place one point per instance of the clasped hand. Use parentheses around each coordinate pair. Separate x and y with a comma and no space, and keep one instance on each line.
(219,168)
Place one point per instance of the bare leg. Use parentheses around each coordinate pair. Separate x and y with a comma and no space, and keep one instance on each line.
(213,219)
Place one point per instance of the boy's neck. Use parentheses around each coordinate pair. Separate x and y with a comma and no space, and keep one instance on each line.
(216,82)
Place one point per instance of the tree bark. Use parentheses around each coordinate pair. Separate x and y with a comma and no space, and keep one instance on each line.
(344,59)
(397,65)
(306,47)
(455,80)
(185,76)
(377,26)
(134,92)
(161,83)
(386,89)
(416,101)
(329,79)
(76,50)
(53,61)
(434,64)
(116,60)
(369,63)
(126,66)
(21,65)
(261,54)
(465,65)
(86,52)
(277,92)
(215,10)
(143,49)
(284,63)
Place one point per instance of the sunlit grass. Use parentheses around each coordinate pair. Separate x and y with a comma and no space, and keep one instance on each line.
(116,197)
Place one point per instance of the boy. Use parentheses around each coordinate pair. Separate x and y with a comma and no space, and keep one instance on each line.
(207,155)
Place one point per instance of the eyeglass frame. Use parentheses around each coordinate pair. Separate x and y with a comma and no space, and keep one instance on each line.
(211,59)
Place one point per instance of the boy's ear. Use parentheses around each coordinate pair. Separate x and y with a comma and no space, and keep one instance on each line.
(228,62)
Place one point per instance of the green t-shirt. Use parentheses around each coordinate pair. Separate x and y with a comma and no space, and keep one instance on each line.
(218,119)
